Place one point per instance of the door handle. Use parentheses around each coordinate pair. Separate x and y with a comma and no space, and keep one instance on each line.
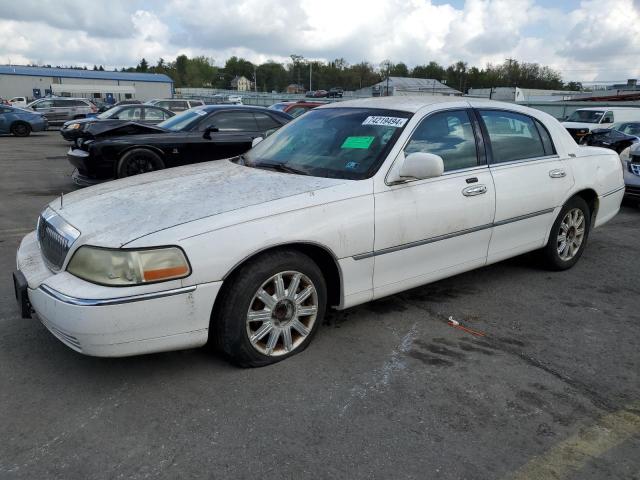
(558,173)
(475,190)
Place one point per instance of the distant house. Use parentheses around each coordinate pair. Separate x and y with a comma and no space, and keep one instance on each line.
(241,83)
(295,88)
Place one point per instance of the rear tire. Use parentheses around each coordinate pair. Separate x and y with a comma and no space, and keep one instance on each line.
(137,161)
(269,309)
(21,129)
(568,237)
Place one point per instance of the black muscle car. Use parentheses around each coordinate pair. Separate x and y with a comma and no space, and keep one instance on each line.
(211,132)
(104,124)
(618,137)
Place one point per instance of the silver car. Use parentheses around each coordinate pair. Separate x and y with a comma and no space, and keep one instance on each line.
(59,110)
(175,104)
(631,168)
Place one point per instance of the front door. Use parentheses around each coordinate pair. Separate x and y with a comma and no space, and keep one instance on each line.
(234,132)
(531,180)
(433,228)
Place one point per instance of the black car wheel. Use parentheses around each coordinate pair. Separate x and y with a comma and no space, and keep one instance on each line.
(138,161)
(20,129)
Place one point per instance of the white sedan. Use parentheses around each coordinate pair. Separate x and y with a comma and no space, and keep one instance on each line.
(348,203)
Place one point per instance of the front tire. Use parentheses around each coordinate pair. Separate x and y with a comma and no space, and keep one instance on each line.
(137,161)
(568,237)
(20,129)
(269,309)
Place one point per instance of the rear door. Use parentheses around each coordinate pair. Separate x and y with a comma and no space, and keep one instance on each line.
(530,179)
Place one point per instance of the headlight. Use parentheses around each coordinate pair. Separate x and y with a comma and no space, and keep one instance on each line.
(73,126)
(128,267)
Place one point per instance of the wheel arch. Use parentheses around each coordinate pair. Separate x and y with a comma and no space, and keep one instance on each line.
(323,256)
(591,197)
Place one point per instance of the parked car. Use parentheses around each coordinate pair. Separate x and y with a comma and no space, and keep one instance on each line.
(335,92)
(18,102)
(249,253)
(320,94)
(176,104)
(106,122)
(584,120)
(619,137)
(630,159)
(295,109)
(60,109)
(20,122)
(200,134)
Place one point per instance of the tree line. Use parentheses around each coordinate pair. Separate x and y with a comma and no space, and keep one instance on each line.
(274,76)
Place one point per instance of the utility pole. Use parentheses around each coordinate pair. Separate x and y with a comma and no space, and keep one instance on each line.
(255,79)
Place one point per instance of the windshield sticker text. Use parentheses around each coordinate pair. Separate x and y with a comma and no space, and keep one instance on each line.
(396,122)
(357,142)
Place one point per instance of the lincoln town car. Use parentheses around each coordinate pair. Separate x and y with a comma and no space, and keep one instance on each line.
(348,203)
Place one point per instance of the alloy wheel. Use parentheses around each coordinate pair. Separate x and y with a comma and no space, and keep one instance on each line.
(282,313)
(571,234)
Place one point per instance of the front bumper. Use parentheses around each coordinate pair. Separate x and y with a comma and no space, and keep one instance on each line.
(39,125)
(632,185)
(111,321)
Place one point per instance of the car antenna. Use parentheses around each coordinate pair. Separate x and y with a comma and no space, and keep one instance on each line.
(61,201)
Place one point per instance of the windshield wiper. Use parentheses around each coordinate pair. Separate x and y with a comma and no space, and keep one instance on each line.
(280,167)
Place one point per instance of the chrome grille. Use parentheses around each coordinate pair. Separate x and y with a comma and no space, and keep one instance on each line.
(55,237)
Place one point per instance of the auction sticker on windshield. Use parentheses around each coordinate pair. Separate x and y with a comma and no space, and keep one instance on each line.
(357,142)
(385,121)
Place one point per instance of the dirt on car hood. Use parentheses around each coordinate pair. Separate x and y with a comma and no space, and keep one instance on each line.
(117,212)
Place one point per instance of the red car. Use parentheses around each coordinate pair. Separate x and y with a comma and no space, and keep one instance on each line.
(295,109)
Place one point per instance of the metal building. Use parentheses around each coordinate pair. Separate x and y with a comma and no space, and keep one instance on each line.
(35,82)
(408,86)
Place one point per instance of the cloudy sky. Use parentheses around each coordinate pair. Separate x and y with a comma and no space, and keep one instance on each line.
(586,40)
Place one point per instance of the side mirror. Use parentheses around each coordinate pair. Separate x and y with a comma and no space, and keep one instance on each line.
(207,132)
(256,141)
(417,166)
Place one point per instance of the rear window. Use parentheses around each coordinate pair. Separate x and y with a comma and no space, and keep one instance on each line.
(513,136)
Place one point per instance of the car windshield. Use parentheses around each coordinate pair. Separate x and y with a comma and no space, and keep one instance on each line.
(183,120)
(332,142)
(628,128)
(110,113)
(585,116)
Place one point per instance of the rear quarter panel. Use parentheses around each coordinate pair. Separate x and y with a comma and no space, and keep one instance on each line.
(599,169)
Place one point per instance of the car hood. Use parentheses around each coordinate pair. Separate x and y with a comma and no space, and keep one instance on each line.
(115,213)
(123,128)
(588,126)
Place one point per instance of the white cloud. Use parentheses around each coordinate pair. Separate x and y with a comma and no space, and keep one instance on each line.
(585,43)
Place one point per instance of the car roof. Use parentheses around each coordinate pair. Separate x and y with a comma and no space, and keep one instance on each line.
(407,104)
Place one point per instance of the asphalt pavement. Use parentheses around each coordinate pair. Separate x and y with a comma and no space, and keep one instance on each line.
(546,385)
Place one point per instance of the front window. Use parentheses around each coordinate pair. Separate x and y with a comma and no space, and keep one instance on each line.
(333,142)
(585,116)
(449,135)
(184,120)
